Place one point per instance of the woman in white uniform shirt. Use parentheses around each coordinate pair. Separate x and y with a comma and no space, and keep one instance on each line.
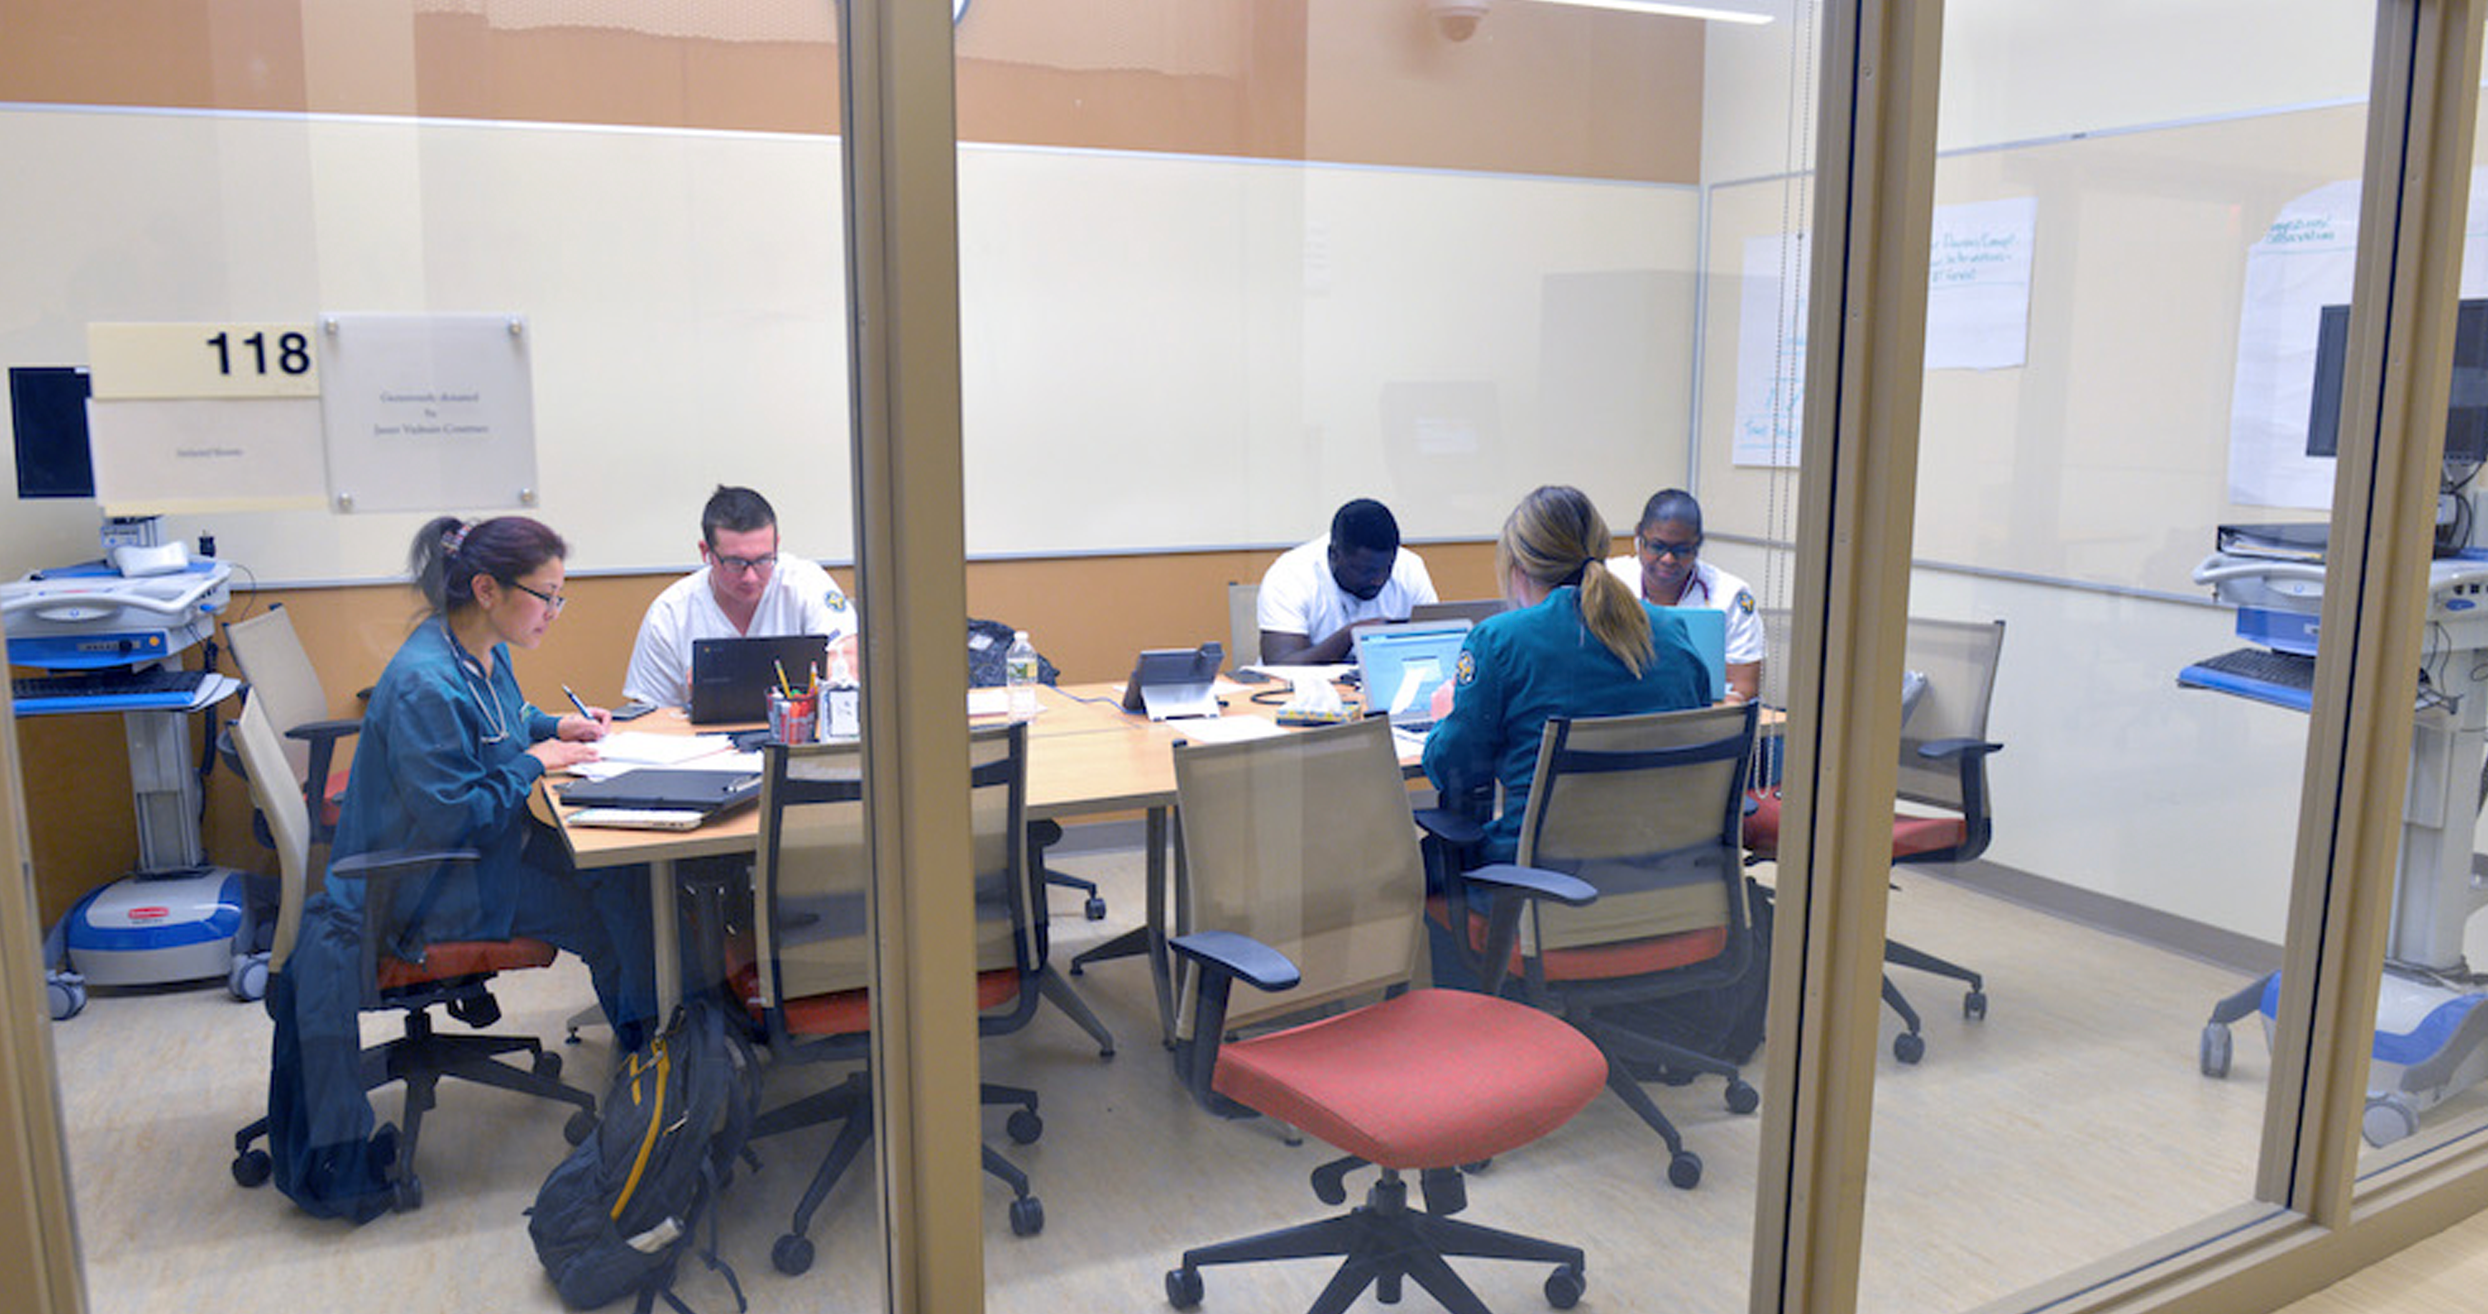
(1666,568)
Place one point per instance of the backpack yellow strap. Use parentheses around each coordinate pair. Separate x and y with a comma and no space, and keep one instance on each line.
(647,1143)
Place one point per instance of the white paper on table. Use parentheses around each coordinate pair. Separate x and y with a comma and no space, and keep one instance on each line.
(1225,729)
(647,748)
(1299,674)
(993,701)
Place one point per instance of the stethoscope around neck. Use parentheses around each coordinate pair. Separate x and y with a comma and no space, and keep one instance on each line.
(479,682)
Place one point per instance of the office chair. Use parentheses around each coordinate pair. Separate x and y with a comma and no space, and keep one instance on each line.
(808,988)
(280,673)
(454,977)
(1944,752)
(1647,810)
(988,640)
(1305,880)
(1243,625)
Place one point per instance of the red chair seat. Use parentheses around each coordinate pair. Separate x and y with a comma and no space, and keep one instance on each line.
(849,1012)
(1910,835)
(1428,1079)
(334,796)
(442,962)
(1605,962)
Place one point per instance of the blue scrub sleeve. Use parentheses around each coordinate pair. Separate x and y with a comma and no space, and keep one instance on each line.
(446,793)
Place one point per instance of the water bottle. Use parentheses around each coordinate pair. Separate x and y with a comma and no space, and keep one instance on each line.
(1019,666)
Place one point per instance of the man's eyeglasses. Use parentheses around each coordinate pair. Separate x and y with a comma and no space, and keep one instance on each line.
(1681,551)
(553,602)
(754,565)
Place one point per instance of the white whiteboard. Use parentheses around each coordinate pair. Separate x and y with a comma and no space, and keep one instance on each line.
(1158,352)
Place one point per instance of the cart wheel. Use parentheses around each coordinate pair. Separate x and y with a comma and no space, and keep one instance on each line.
(2214,1058)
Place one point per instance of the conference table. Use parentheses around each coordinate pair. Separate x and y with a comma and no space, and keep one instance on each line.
(1086,757)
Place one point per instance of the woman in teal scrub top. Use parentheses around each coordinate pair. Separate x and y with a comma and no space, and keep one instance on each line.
(1576,643)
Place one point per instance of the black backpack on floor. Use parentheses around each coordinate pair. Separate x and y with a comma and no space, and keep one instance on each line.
(616,1215)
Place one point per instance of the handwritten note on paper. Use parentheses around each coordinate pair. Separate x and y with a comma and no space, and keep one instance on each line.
(1978,285)
(1771,350)
(1978,316)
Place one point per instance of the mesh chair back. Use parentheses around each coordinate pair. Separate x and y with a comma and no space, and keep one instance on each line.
(811,916)
(1243,625)
(1304,842)
(1958,659)
(1647,809)
(280,801)
(280,672)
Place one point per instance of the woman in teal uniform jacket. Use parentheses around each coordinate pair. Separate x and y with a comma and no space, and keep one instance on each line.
(1577,643)
(448,752)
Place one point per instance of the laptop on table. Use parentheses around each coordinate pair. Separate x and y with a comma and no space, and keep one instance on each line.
(731,678)
(660,798)
(1400,667)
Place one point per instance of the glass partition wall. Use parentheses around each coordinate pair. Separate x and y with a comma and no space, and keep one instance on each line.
(1217,272)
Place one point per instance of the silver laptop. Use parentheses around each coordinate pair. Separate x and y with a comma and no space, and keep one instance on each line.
(1402,665)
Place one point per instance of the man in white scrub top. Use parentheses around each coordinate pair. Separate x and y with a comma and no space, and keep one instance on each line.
(1316,595)
(1666,568)
(744,588)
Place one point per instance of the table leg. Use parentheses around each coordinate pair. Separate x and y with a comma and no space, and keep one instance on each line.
(1161,974)
(664,921)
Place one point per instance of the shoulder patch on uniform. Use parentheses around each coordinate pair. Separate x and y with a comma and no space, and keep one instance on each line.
(838,601)
(1464,671)
(1745,601)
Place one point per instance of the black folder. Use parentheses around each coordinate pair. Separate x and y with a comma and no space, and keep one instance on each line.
(705,792)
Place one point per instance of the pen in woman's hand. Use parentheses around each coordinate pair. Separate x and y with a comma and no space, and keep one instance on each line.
(599,726)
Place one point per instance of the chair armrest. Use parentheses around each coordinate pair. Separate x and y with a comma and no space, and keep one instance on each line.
(1223,957)
(1450,825)
(1239,955)
(380,872)
(318,731)
(1535,883)
(1971,748)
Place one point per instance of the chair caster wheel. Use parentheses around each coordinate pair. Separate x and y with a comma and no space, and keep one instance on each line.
(248,981)
(1094,909)
(581,1126)
(547,1065)
(1027,1216)
(66,994)
(1565,1286)
(2389,1118)
(792,1255)
(1743,1098)
(1909,1047)
(1974,1006)
(1025,1127)
(2214,1057)
(251,1168)
(409,1194)
(1183,1288)
(1684,1170)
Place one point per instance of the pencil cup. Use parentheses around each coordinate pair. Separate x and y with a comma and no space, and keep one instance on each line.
(793,719)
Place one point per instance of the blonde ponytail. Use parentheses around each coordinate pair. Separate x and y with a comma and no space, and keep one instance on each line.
(1556,537)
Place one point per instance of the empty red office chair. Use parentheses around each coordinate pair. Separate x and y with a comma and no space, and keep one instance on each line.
(1305,879)
(1944,752)
(807,987)
(453,976)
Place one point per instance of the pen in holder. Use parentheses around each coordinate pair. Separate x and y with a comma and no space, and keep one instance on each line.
(793,717)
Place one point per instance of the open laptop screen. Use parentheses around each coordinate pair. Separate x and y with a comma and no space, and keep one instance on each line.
(731,678)
(1402,666)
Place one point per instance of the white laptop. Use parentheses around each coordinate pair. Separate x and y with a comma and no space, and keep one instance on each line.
(1402,665)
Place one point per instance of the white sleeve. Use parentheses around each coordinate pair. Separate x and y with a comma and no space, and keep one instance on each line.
(827,611)
(1283,605)
(660,670)
(1745,643)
